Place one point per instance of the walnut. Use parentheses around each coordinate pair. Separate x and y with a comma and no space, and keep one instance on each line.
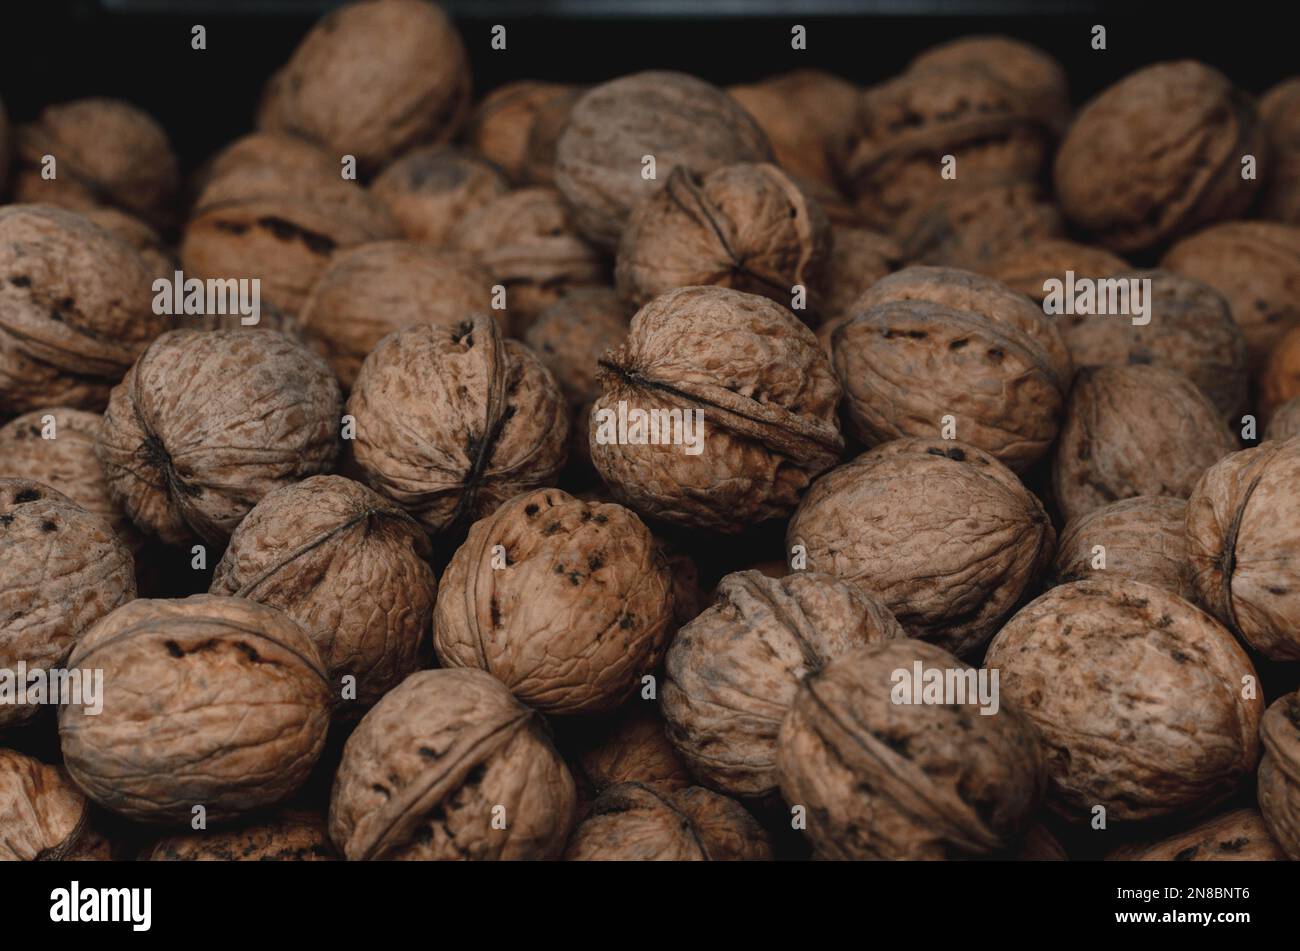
(43,816)
(571,336)
(1158,154)
(450,765)
(207,423)
(1256,266)
(747,227)
(1279,111)
(159,259)
(61,570)
(215,702)
(689,599)
(636,822)
(630,747)
(350,567)
(373,79)
(429,190)
(674,118)
(371,290)
(1285,422)
(1026,268)
(527,241)
(1243,540)
(927,347)
(1279,773)
(883,775)
(1281,379)
(75,310)
(289,836)
(1142,538)
(1238,835)
(453,421)
(291,156)
(544,133)
(732,672)
(759,385)
(859,258)
(107,153)
(502,123)
(1140,698)
(969,228)
(941,531)
(567,603)
(1134,430)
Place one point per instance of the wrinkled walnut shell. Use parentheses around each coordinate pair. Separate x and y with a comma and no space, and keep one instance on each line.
(429,190)
(1026,268)
(970,228)
(573,334)
(1285,422)
(1239,835)
(43,816)
(289,836)
(1281,379)
(859,258)
(1279,773)
(159,259)
(1144,539)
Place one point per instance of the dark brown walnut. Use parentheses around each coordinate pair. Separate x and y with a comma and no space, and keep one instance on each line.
(61,569)
(568,603)
(1285,422)
(207,701)
(630,747)
(970,228)
(882,776)
(747,227)
(449,765)
(429,190)
(1279,111)
(500,126)
(1146,705)
(1134,430)
(1279,773)
(633,822)
(732,673)
(941,531)
(527,241)
(453,421)
(1158,154)
(1256,266)
(689,598)
(369,291)
(43,815)
(373,79)
(765,395)
(1026,268)
(207,423)
(107,153)
(1239,835)
(859,258)
(1281,379)
(75,310)
(1243,540)
(544,133)
(571,335)
(351,568)
(1039,845)
(1143,539)
(289,836)
(676,119)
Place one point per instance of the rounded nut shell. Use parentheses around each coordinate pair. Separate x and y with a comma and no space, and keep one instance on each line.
(291,836)
(859,258)
(1236,836)
(502,123)
(1142,539)
(430,190)
(630,747)
(1281,379)
(573,334)
(1279,773)
(1027,268)
(43,816)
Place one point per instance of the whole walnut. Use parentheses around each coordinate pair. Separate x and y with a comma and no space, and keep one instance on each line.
(732,673)
(1285,422)
(350,567)
(747,227)
(762,392)
(501,125)
(1141,699)
(1279,773)
(207,423)
(453,421)
(1143,539)
(449,765)
(674,118)
(75,310)
(43,816)
(289,836)
(1243,540)
(941,531)
(373,79)
(637,822)
(159,259)
(526,240)
(207,701)
(429,190)
(1256,266)
(291,156)
(369,291)
(1134,430)
(549,123)
(1281,379)
(630,747)
(107,153)
(883,774)
(1158,154)
(61,570)
(1026,268)
(566,602)
(859,258)
(571,336)
(1279,111)
(970,228)
(1239,835)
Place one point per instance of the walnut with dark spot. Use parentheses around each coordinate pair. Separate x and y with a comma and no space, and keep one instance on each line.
(1143,539)
(1239,835)
(571,335)
(1279,773)
(43,816)
(290,836)
(430,190)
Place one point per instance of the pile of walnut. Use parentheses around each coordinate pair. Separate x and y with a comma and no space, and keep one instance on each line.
(399,573)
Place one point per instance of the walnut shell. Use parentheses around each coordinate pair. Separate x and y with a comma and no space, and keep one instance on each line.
(502,123)
(75,310)
(636,822)
(568,603)
(970,227)
(1239,835)
(1143,539)
(747,227)
(1279,111)
(1279,773)
(453,421)
(1281,379)
(215,702)
(429,190)
(941,531)
(859,258)
(884,778)
(159,259)
(1134,430)
(291,156)
(762,387)
(207,423)
(732,673)
(61,570)
(1139,697)
(1158,154)
(1026,268)
(449,765)
(1285,422)
(289,836)
(369,291)
(571,336)
(1243,540)
(350,567)
(43,816)
(544,133)
(672,117)
(631,747)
